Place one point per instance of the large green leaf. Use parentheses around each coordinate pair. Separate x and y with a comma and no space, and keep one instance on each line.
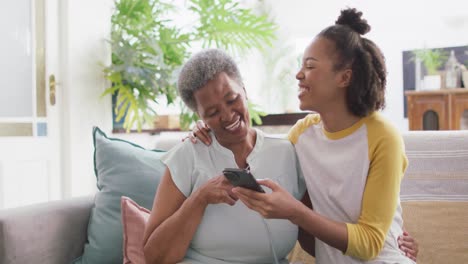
(148,49)
(225,25)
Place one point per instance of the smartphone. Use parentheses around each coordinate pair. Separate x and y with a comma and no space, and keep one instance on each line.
(242,178)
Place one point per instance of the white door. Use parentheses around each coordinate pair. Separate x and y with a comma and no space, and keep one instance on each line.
(29,102)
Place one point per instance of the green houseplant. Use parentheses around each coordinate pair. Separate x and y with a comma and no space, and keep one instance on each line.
(432,59)
(148,49)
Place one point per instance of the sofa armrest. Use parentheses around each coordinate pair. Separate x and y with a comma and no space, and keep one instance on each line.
(53,232)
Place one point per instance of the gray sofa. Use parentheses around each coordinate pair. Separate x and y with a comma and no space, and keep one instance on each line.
(49,233)
(434,196)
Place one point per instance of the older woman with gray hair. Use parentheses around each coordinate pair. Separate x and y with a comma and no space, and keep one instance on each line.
(196,218)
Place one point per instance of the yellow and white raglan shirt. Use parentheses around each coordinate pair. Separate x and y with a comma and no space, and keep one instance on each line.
(354,176)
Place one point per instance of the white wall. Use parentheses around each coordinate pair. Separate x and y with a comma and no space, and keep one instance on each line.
(85,28)
(397,25)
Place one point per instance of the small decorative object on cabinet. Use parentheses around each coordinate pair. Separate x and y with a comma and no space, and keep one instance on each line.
(437,110)
(465,77)
(452,72)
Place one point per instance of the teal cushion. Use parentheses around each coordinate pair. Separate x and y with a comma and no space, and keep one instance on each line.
(122,169)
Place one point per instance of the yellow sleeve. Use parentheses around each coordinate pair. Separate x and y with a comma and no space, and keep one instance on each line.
(301,125)
(388,163)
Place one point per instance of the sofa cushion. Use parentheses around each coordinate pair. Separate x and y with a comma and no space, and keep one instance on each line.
(134,218)
(122,169)
(434,194)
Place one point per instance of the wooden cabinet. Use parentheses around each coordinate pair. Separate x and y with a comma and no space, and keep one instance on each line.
(436,110)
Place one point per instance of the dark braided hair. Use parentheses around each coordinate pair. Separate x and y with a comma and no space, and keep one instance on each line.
(366,91)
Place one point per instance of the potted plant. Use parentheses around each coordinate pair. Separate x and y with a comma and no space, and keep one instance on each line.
(148,49)
(432,60)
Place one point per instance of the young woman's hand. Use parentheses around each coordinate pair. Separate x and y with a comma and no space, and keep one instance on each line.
(408,245)
(277,204)
(200,132)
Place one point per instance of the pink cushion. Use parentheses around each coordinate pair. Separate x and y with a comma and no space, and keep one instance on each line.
(134,218)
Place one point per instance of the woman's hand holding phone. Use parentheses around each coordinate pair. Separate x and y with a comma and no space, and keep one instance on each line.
(217,190)
(277,204)
(242,178)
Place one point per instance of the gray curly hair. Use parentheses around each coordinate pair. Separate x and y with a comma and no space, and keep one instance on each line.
(202,68)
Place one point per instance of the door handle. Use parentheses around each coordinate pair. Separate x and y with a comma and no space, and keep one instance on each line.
(52,88)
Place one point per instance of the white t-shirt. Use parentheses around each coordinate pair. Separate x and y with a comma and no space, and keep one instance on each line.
(354,176)
(236,234)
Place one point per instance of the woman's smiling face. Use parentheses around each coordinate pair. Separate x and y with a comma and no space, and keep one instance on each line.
(222,105)
(319,82)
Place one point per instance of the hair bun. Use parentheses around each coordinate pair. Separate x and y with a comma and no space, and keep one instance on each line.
(352,18)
